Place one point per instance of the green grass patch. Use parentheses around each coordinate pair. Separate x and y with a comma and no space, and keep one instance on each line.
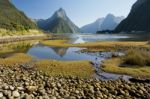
(66,68)
(5,32)
(135,63)
(98,46)
(18,58)
(59,43)
(137,58)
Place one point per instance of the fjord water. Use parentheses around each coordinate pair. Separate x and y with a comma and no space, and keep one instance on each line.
(88,37)
(40,51)
(70,54)
(61,53)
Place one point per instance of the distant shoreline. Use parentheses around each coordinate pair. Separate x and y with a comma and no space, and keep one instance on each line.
(7,39)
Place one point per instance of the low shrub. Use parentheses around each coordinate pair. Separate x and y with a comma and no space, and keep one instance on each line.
(137,57)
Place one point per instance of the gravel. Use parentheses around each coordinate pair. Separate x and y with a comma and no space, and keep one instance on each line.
(32,84)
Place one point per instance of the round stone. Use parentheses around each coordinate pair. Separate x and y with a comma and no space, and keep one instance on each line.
(31,89)
(1,94)
(20,88)
(16,94)
(77,92)
(11,88)
(53,97)
(59,85)
(5,87)
(28,96)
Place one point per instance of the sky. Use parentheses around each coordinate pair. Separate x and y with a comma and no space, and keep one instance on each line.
(81,12)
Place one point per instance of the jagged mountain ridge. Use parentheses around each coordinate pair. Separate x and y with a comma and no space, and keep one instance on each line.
(138,18)
(93,27)
(110,22)
(58,23)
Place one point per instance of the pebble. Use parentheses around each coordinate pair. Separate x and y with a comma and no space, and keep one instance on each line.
(31,89)
(34,85)
(77,92)
(11,88)
(53,97)
(1,94)
(59,85)
(5,87)
(15,94)
(20,88)
(28,96)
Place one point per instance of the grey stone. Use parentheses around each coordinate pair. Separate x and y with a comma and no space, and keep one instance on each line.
(16,94)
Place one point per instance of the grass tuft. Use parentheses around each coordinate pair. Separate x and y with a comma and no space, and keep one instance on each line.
(65,68)
(135,63)
(137,57)
(98,46)
(18,58)
(6,32)
(114,66)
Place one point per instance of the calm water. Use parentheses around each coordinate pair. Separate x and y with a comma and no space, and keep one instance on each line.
(40,51)
(109,37)
(59,53)
(67,54)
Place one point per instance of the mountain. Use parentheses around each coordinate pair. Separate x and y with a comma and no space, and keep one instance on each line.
(93,27)
(138,18)
(110,22)
(13,19)
(58,23)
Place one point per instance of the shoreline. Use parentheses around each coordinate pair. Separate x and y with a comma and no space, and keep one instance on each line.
(21,80)
(7,39)
(114,45)
(100,46)
(18,82)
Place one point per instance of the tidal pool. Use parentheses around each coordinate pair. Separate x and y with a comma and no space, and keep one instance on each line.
(41,52)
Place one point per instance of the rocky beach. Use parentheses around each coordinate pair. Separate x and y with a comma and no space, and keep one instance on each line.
(51,49)
(17,82)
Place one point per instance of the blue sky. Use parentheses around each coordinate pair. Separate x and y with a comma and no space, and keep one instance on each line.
(81,12)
